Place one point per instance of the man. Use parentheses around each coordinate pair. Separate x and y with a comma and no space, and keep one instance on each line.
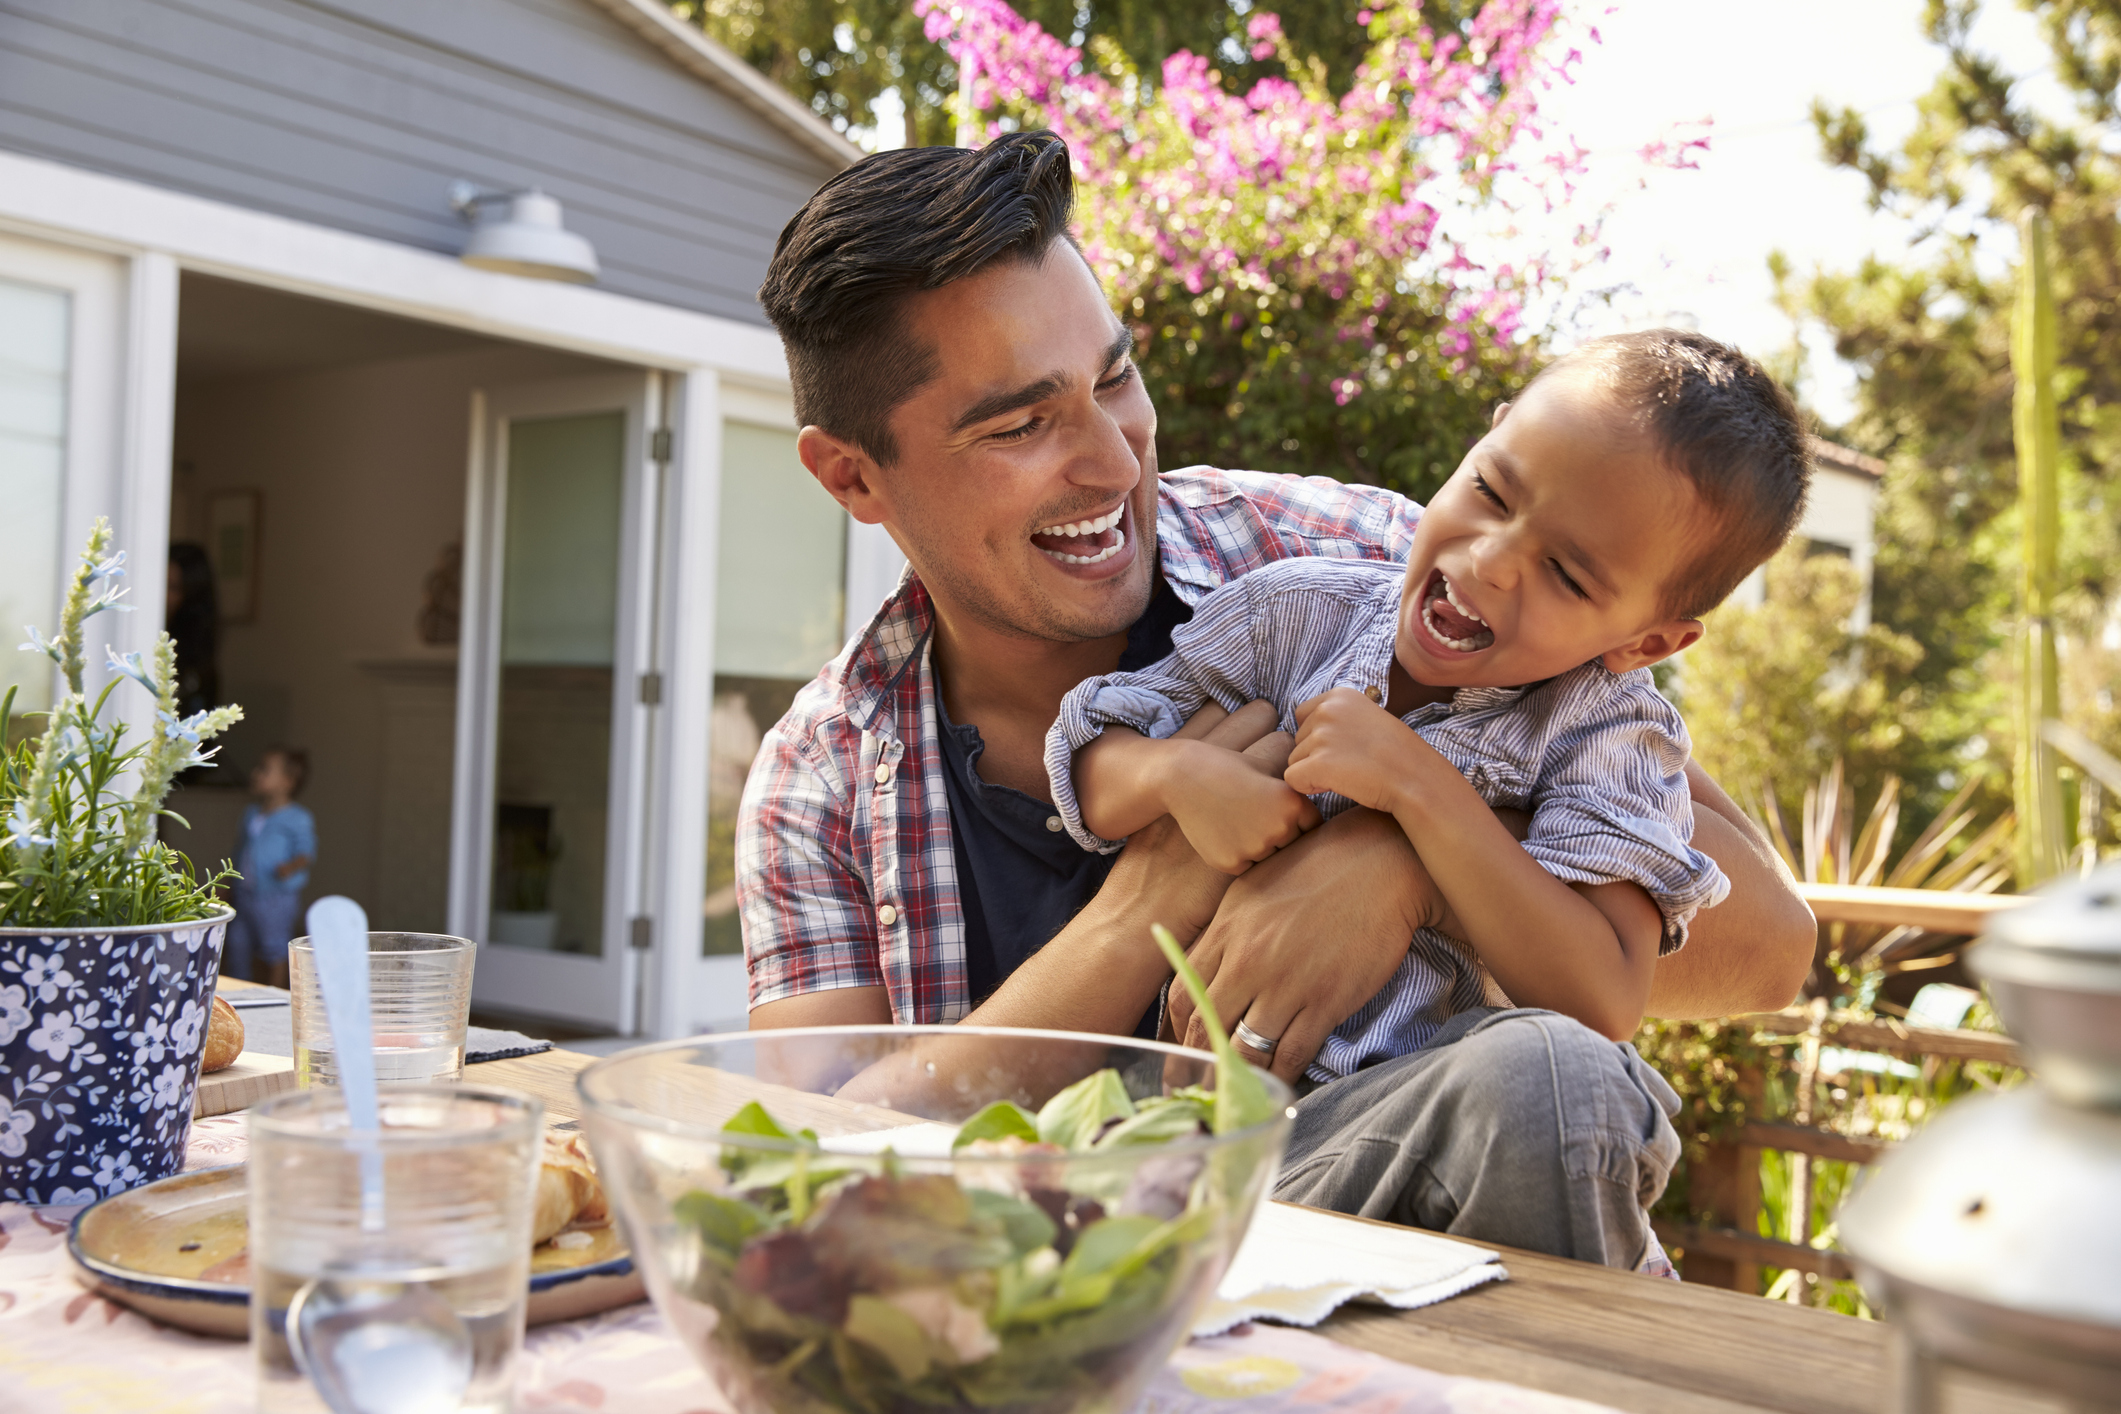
(963,382)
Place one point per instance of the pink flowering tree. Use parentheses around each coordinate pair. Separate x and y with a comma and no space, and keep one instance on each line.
(1320,282)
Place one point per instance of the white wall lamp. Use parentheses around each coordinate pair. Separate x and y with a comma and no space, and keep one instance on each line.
(520,233)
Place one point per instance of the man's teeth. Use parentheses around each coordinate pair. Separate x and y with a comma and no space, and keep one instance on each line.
(1119,543)
(1074,528)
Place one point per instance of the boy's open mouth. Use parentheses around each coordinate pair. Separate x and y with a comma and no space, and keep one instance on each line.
(1450,622)
(1084,542)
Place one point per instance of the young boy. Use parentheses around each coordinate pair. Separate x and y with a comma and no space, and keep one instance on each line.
(1634,484)
(274,855)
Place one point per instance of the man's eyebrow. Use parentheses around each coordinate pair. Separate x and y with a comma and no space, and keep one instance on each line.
(1039,389)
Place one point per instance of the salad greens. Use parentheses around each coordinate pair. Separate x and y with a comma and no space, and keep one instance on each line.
(858,1282)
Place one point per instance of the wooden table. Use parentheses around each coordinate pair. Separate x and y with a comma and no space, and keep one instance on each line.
(1632,1342)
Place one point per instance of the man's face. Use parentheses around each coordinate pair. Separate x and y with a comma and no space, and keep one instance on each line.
(1549,547)
(1025,488)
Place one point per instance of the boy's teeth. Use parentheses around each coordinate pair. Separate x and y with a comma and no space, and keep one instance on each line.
(1119,543)
(1075,528)
(1458,606)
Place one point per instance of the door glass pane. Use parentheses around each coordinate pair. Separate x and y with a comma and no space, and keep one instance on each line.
(33,351)
(780,602)
(559,630)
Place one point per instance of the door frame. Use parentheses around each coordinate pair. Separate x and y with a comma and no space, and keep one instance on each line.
(602,987)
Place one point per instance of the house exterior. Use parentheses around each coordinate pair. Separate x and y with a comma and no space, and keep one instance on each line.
(1838,519)
(524,566)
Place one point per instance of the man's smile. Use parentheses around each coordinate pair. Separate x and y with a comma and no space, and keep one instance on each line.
(1451,622)
(1092,541)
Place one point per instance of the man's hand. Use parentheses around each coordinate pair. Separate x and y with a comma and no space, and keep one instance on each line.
(1307,937)
(1349,744)
(1233,806)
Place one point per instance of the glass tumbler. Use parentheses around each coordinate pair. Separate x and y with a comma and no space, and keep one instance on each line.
(391,1266)
(419,1000)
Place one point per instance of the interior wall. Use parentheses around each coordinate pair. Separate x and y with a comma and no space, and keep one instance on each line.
(360,472)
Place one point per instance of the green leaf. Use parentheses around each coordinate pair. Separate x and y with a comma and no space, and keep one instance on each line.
(891,1333)
(1072,1118)
(753,1120)
(1241,1098)
(1001,1120)
(1160,1121)
(1106,1243)
(1025,1224)
(726,1223)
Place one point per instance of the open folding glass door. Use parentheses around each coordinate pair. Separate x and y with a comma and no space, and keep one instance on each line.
(552,720)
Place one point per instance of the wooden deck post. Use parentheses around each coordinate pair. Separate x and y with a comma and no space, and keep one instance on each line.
(1725,1186)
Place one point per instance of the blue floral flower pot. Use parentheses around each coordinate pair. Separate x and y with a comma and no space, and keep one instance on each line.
(101,1034)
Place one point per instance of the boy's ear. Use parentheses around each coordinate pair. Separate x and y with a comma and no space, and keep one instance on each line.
(848,474)
(1660,643)
(1502,410)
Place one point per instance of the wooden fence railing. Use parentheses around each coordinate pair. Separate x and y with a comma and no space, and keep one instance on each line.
(1728,1250)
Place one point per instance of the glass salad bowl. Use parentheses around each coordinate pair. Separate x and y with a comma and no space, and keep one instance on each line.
(910,1218)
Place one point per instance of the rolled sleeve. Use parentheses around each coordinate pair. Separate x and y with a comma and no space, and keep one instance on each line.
(1615,808)
(804,902)
(1213,658)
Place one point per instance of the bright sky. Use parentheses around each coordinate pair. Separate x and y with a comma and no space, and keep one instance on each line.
(1696,244)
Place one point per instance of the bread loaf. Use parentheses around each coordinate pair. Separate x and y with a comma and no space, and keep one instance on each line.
(568,1191)
(224,1037)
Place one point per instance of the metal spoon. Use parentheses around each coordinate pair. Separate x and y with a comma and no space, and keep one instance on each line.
(369,1347)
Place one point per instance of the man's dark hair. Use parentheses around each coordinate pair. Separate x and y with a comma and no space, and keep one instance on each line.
(892,225)
(1729,428)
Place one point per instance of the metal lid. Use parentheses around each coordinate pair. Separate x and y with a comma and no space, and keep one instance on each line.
(2076,917)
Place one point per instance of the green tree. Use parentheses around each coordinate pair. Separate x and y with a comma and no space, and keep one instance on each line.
(840,56)
(1930,339)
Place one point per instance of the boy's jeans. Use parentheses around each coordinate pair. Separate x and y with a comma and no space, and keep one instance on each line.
(265,922)
(1519,1127)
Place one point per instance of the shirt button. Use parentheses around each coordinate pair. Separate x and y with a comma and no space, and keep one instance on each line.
(1374,693)
(883,775)
(1053,823)
(887,915)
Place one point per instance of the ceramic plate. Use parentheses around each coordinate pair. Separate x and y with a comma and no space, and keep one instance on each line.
(178,1251)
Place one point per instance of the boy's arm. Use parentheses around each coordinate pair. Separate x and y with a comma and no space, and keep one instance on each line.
(1585,950)
(1233,808)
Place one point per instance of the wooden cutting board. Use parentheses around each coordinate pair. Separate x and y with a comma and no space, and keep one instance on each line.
(252,1078)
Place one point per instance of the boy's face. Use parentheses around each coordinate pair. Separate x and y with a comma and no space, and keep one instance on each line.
(271,780)
(1549,547)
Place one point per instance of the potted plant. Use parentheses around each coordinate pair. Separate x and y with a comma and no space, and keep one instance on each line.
(109,940)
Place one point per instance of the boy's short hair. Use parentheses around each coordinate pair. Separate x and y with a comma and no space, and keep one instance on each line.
(1729,428)
(892,225)
(297,762)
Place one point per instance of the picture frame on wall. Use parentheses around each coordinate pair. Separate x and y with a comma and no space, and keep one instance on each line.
(232,545)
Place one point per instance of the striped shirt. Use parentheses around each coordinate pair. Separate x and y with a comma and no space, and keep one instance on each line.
(1598,759)
(846,874)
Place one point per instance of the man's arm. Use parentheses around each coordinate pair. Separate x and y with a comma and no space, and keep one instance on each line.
(1101,972)
(1752,951)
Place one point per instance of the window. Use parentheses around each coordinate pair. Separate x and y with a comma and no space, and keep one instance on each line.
(34,348)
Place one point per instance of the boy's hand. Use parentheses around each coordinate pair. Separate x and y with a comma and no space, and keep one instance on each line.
(1234,808)
(1347,743)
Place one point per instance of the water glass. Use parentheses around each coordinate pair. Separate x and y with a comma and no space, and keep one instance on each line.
(419,998)
(401,1256)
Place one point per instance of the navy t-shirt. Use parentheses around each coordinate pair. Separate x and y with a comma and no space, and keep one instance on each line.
(1020,875)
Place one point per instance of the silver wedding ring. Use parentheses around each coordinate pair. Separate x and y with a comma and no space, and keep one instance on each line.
(1246,1036)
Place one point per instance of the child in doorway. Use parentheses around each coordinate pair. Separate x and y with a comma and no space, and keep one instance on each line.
(274,856)
(1634,484)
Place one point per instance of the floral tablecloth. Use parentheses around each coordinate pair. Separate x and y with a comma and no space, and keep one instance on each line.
(66,1351)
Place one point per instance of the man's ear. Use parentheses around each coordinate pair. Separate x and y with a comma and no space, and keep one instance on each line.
(848,474)
(1661,642)
(1502,410)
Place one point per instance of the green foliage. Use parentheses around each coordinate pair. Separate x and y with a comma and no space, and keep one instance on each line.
(840,56)
(79,805)
(1775,694)
(1930,338)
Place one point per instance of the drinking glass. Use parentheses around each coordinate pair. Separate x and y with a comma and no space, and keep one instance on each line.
(419,998)
(402,1255)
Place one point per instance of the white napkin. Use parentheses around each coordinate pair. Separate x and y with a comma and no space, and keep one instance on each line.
(1297,1265)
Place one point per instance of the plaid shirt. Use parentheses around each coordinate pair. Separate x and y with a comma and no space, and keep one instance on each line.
(846,876)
